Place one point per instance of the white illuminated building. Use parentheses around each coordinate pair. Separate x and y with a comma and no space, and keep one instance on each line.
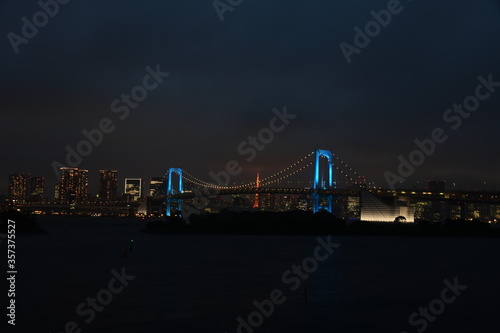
(133,187)
(375,209)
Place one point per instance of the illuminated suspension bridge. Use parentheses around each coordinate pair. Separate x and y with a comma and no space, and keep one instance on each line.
(331,177)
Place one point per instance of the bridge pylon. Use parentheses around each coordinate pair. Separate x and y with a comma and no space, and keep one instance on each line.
(319,183)
(171,190)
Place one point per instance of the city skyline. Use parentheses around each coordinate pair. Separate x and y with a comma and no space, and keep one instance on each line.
(23,186)
(156,185)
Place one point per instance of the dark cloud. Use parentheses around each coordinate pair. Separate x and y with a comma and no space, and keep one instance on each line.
(226,77)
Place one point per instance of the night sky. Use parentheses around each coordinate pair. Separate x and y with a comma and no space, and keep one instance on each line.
(226,77)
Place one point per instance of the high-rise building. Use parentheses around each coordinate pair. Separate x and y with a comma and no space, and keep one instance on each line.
(133,188)
(108,185)
(36,189)
(157,187)
(57,192)
(74,185)
(267,201)
(19,186)
(83,186)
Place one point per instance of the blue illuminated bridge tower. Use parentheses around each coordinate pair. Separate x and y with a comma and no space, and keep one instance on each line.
(319,180)
(172,191)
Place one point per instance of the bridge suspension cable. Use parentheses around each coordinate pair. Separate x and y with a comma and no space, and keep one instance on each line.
(288,175)
(356,179)
(288,168)
(197,181)
(292,169)
(266,181)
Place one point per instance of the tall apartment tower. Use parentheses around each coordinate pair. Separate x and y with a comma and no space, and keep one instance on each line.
(36,189)
(74,185)
(108,185)
(19,186)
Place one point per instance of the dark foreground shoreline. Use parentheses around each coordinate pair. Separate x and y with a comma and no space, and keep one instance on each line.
(303,223)
(282,223)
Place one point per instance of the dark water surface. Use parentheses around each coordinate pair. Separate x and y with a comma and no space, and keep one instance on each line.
(202,283)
